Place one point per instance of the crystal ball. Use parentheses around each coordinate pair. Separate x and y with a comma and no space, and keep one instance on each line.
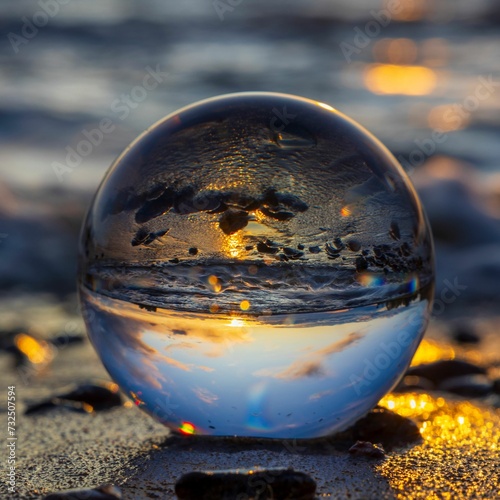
(256,264)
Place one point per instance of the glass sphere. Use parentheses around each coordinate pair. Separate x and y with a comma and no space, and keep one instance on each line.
(256,264)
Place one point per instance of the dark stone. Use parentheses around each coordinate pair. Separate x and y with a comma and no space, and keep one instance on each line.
(99,397)
(338,243)
(267,247)
(65,340)
(280,484)
(300,246)
(382,426)
(104,492)
(273,198)
(332,251)
(292,253)
(367,449)
(193,251)
(233,220)
(144,237)
(354,245)
(151,209)
(315,249)
(441,370)
(140,237)
(278,215)
(361,264)
(471,386)
(464,334)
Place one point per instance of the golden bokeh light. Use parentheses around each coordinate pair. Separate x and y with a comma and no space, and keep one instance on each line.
(407,10)
(397,79)
(345,211)
(452,433)
(213,281)
(237,323)
(430,350)
(38,352)
(233,245)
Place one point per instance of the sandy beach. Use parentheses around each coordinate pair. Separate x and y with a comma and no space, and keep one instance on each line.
(61,448)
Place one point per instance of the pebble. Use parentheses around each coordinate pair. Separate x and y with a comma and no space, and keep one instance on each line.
(315,249)
(367,449)
(382,426)
(361,264)
(85,397)
(233,220)
(354,245)
(292,253)
(151,209)
(145,237)
(332,251)
(65,340)
(277,484)
(267,247)
(472,386)
(441,370)
(278,214)
(104,492)
(464,334)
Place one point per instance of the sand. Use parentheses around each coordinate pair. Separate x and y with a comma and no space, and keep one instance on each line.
(60,449)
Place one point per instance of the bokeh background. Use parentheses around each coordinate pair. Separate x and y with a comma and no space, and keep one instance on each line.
(422,75)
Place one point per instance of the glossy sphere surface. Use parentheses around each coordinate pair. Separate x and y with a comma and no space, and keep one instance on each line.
(256,264)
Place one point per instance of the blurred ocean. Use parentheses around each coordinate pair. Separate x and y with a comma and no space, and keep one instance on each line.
(422,75)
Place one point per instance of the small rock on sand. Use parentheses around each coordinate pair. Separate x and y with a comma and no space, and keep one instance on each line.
(277,484)
(104,492)
(367,449)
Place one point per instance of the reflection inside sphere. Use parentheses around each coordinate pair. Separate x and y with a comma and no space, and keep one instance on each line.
(256,264)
